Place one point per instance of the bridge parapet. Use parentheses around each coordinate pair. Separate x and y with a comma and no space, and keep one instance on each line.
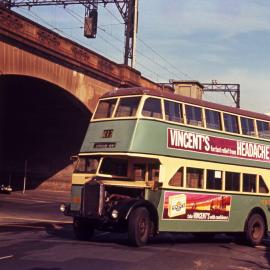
(30,36)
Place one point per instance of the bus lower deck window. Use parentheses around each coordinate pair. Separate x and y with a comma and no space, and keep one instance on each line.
(153,172)
(249,182)
(262,186)
(177,179)
(232,181)
(214,180)
(139,172)
(194,178)
(114,166)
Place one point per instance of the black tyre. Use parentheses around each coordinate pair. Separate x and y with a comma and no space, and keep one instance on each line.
(255,229)
(82,229)
(139,227)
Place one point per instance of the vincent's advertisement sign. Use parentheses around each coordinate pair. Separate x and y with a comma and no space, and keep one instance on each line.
(184,140)
(196,206)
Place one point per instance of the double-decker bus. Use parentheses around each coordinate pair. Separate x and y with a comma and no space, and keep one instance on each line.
(154,161)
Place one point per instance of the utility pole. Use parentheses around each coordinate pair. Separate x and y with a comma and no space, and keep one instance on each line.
(128,10)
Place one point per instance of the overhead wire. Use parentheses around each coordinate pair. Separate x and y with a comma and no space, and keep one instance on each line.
(174,71)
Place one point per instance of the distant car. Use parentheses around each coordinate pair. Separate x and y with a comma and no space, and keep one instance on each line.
(5,189)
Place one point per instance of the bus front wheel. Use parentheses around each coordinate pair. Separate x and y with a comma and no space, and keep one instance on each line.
(82,229)
(139,225)
(255,229)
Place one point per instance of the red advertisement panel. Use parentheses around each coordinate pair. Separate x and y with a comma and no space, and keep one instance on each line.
(196,206)
(184,140)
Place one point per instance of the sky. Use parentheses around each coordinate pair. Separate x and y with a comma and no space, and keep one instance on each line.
(223,40)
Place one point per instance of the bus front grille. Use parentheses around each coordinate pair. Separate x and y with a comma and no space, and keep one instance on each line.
(92,199)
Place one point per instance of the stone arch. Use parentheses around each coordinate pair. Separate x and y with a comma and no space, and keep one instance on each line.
(20,62)
(42,124)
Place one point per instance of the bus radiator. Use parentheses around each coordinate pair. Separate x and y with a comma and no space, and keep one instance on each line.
(92,199)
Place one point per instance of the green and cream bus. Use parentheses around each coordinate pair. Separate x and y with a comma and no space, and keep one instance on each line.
(154,161)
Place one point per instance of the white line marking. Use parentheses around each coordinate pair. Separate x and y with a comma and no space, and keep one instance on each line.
(6,257)
(37,219)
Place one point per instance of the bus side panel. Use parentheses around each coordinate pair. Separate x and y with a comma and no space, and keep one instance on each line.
(151,138)
(175,216)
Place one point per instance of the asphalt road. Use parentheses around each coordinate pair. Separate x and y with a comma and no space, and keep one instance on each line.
(34,235)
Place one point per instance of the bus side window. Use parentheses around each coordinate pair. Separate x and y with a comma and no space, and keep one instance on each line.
(232,181)
(194,115)
(194,178)
(231,123)
(177,179)
(214,180)
(213,119)
(247,125)
(139,172)
(262,186)
(263,129)
(152,108)
(173,111)
(153,172)
(249,182)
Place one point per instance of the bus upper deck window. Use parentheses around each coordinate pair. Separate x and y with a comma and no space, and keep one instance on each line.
(105,108)
(263,129)
(127,106)
(173,111)
(262,186)
(152,108)
(231,123)
(247,125)
(232,181)
(213,119)
(194,115)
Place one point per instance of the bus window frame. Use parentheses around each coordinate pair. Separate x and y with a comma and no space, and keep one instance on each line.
(140,108)
(202,116)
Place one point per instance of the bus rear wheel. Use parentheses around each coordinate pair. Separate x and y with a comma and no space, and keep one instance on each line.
(255,229)
(82,229)
(139,226)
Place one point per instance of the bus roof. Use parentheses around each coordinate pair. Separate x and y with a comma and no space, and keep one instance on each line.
(177,97)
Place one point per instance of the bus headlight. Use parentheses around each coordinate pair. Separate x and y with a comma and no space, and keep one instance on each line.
(114,214)
(62,208)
